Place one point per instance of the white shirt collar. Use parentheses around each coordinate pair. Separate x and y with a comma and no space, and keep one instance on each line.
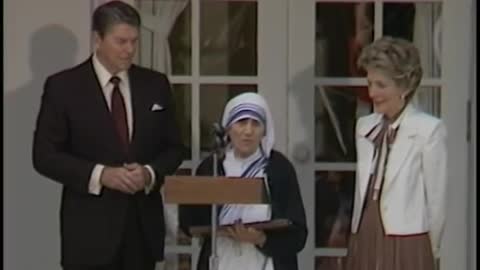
(104,75)
(399,119)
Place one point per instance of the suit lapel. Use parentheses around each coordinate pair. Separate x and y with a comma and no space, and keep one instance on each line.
(136,89)
(93,85)
(98,106)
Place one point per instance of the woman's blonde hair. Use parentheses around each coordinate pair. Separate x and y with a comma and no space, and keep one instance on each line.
(396,58)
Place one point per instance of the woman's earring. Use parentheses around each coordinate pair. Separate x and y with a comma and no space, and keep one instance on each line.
(405,94)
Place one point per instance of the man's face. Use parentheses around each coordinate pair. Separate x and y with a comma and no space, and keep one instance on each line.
(116,49)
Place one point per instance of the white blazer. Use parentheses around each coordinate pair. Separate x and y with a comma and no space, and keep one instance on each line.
(414,188)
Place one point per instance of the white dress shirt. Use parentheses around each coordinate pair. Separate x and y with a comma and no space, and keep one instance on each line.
(104,76)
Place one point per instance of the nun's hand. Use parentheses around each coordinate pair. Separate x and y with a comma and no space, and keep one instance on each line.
(240,233)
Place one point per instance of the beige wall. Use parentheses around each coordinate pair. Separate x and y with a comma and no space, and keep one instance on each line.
(41,37)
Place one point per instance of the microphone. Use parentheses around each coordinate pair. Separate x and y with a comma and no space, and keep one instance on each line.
(219,133)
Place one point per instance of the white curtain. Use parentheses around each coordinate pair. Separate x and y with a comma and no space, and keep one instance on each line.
(160,22)
(427,38)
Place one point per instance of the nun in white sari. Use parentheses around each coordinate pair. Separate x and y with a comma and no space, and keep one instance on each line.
(249,153)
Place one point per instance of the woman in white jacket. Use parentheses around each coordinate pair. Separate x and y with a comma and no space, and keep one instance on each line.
(399,205)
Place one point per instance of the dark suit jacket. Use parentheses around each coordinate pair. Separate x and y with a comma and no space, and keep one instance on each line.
(75,131)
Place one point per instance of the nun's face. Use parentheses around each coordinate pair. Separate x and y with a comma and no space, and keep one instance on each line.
(245,136)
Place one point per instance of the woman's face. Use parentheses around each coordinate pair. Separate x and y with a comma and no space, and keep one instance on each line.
(246,136)
(386,95)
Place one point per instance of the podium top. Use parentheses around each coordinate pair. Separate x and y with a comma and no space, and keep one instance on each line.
(276,224)
(213,190)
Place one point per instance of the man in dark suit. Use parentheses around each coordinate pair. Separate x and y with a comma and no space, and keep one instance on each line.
(106,131)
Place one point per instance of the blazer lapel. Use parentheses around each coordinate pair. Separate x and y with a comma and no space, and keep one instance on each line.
(402,145)
(366,147)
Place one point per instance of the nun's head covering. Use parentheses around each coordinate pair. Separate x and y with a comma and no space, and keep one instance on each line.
(253,106)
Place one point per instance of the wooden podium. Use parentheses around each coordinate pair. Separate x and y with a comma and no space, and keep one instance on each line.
(213,190)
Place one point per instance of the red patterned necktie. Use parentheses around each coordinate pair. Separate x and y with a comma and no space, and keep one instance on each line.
(119,113)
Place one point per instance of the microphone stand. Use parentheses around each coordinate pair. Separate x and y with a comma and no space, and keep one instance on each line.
(218,148)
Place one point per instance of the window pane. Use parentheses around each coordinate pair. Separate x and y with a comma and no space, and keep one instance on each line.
(165,42)
(180,40)
(333,208)
(145,45)
(419,23)
(429,100)
(213,99)
(342,29)
(336,112)
(228,38)
(182,95)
